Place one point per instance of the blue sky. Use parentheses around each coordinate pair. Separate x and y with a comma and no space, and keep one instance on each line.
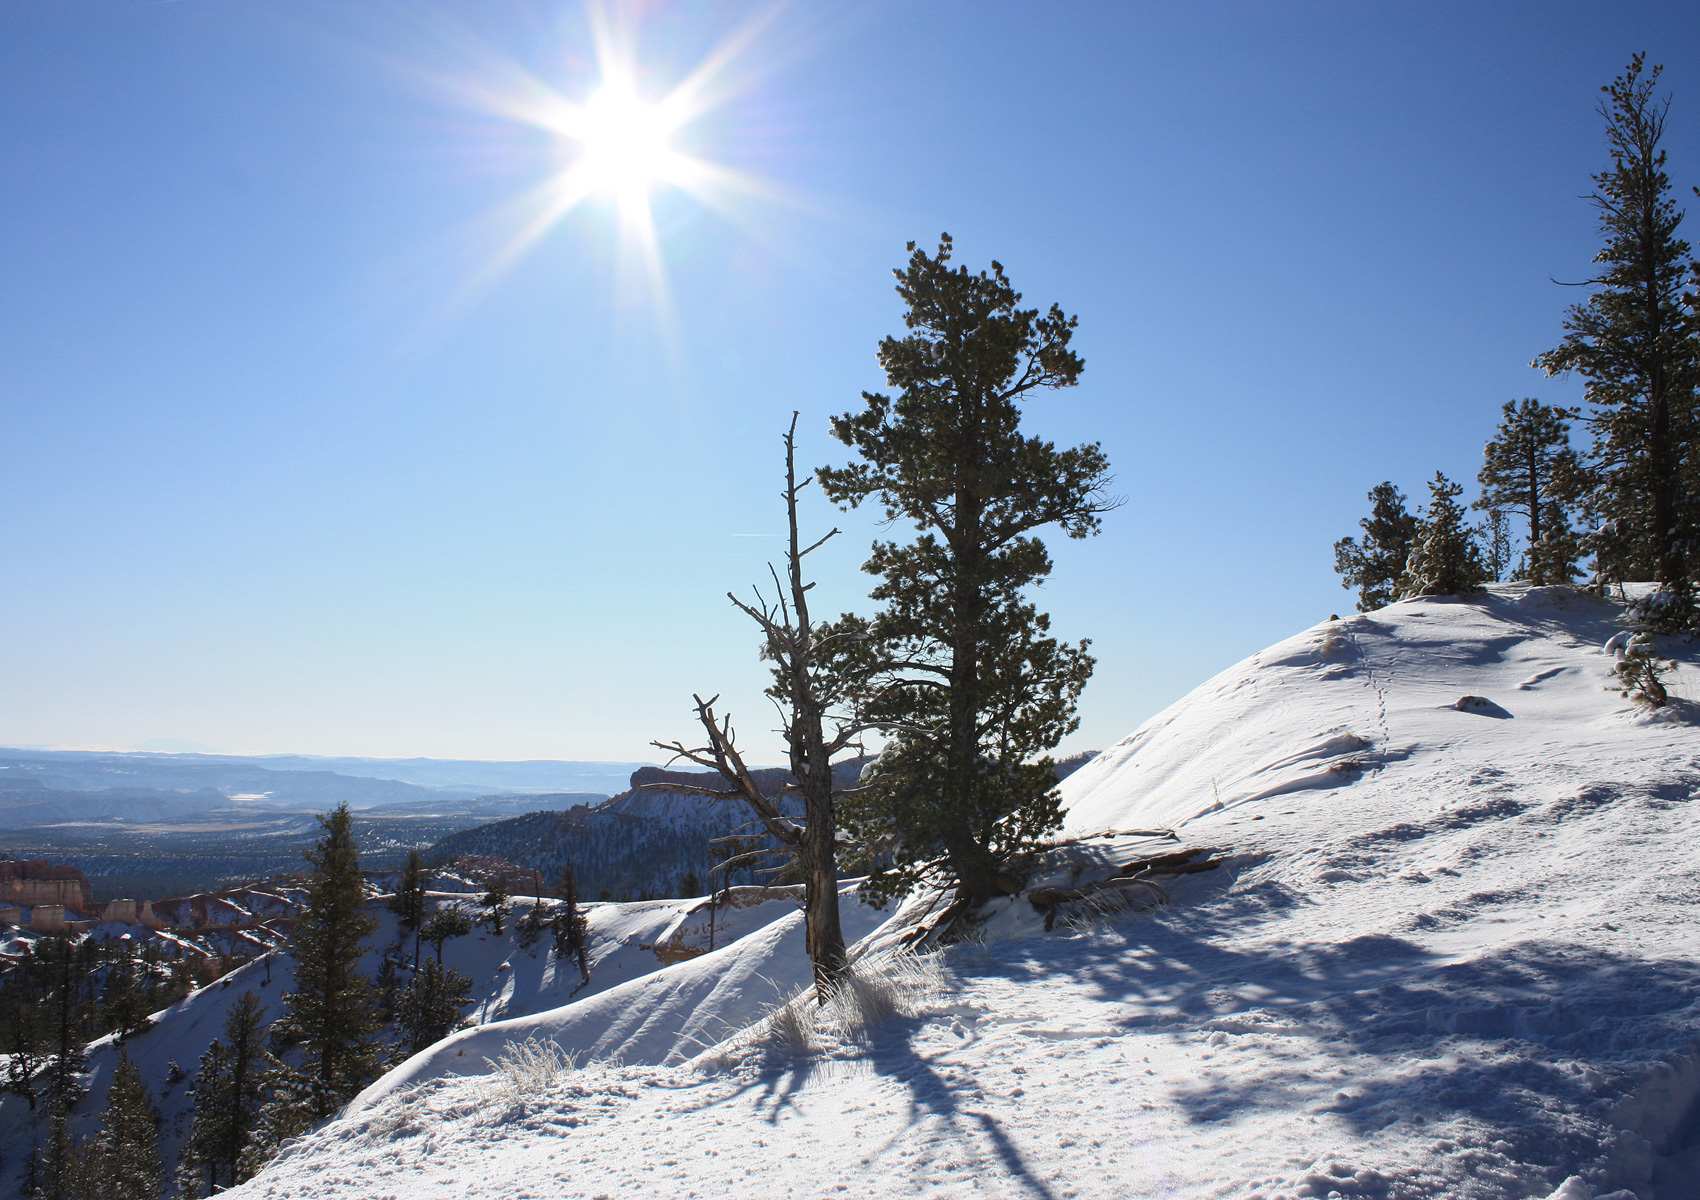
(291,467)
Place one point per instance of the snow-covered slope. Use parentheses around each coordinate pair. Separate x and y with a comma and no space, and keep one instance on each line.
(656,1015)
(1452,953)
(509,980)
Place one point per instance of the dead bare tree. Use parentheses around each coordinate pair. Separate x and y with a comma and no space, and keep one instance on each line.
(809,684)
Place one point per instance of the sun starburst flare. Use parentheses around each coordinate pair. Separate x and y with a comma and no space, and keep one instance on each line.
(619,145)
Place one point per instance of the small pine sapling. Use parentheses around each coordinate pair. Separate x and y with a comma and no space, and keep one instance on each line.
(1638,672)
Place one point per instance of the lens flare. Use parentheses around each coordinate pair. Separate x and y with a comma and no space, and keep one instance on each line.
(618,145)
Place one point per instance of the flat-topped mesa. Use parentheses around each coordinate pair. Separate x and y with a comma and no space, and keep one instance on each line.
(36,881)
(768,779)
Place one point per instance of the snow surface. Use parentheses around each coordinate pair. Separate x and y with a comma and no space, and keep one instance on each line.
(1453,953)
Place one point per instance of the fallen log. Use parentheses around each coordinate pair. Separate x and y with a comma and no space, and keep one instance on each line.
(1132,876)
(1180,862)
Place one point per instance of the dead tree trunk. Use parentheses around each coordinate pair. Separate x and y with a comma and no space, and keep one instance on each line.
(807,690)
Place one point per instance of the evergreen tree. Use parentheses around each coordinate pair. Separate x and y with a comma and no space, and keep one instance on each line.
(1376,565)
(1446,559)
(408,903)
(388,989)
(1529,468)
(429,1007)
(124,1005)
(70,1018)
(61,1087)
(123,1163)
(495,901)
(1634,343)
(1553,559)
(1638,672)
(1496,544)
(23,1034)
(961,668)
(331,1011)
(292,1104)
(56,1169)
(228,1093)
(571,929)
(444,924)
(198,1160)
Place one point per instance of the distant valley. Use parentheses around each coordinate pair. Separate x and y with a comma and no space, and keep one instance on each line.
(150,825)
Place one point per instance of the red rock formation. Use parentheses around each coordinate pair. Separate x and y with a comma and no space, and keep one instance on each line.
(39,882)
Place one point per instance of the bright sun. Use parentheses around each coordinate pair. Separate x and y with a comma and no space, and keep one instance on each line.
(621,145)
(625,149)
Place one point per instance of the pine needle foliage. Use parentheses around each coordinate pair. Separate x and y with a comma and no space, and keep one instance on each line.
(569,926)
(1530,469)
(228,1093)
(444,925)
(332,1012)
(1639,672)
(963,675)
(429,1007)
(408,903)
(123,1161)
(1446,558)
(495,901)
(1375,565)
(1634,342)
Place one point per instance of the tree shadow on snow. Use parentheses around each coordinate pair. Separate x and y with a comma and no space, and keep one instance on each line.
(1375,1030)
(893,1055)
(890,1052)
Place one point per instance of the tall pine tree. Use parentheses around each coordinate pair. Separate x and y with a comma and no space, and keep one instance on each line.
(1633,341)
(198,1163)
(331,1012)
(123,1162)
(969,684)
(1553,559)
(1375,566)
(62,1086)
(1446,559)
(408,903)
(293,1103)
(1496,544)
(1529,469)
(228,1095)
(495,900)
(570,927)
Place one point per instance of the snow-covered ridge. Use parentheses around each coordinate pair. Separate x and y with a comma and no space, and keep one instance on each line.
(1451,953)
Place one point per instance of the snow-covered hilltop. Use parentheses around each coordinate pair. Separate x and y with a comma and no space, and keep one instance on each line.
(1451,952)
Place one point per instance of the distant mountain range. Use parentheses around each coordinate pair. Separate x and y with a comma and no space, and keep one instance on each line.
(49,786)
